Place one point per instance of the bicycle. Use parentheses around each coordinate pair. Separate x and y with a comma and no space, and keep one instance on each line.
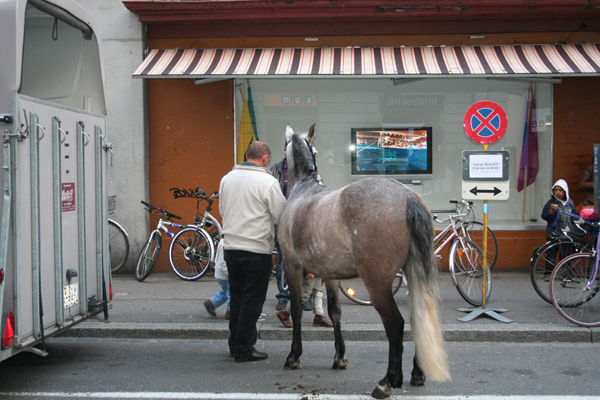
(545,258)
(200,255)
(574,284)
(474,230)
(466,260)
(187,260)
(118,245)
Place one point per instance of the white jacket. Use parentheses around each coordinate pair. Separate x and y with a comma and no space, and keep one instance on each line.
(251,204)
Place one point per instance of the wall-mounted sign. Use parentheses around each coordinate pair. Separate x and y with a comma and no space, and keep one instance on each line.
(68,197)
(290,100)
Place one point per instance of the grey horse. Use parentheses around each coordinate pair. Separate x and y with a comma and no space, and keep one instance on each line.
(371,228)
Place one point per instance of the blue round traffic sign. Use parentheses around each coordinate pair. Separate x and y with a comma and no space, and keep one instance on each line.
(485,122)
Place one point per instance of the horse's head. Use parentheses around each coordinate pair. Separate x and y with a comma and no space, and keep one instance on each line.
(300,155)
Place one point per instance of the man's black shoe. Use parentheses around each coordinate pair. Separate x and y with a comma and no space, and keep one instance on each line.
(281,304)
(254,356)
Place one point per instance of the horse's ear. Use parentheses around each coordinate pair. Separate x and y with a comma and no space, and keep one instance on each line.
(288,133)
(311,134)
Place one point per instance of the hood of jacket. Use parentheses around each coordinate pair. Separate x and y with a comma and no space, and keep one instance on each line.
(563,184)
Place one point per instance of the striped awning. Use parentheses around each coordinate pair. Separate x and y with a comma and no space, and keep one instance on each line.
(544,60)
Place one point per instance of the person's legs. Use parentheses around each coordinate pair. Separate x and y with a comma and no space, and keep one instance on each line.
(256,270)
(320,319)
(283,296)
(317,291)
(225,286)
(236,284)
(219,298)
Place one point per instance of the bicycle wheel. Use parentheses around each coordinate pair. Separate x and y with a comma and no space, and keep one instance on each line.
(118,245)
(548,256)
(475,232)
(466,271)
(148,256)
(355,290)
(572,294)
(191,253)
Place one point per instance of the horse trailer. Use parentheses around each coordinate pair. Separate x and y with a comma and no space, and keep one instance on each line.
(54,257)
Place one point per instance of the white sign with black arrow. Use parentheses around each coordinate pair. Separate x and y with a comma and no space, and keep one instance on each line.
(485,175)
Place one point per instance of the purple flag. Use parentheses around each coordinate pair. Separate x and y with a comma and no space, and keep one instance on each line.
(529,155)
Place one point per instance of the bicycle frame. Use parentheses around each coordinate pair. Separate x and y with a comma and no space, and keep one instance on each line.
(208,217)
(450,228)
(162,226)
(595,273)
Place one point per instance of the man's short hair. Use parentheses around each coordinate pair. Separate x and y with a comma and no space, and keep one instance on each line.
(257,150)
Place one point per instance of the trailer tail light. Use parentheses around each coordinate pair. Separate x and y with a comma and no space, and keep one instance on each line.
(8,334)
(110,294)
(1,275)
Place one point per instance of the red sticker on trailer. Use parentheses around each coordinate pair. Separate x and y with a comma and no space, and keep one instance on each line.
(68,197)
(485,122)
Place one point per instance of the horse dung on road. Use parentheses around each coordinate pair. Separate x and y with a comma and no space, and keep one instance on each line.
(371,228)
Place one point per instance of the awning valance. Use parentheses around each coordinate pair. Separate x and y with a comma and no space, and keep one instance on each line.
(543,60)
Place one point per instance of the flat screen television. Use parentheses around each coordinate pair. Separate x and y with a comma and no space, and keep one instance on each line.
(401,153)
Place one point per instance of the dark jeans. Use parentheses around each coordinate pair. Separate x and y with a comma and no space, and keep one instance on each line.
(248,283)
(555,255)
(283,294)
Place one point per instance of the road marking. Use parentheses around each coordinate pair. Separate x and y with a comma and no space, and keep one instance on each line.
(272,396)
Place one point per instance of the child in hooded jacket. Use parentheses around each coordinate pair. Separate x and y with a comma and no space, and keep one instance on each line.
(559,201)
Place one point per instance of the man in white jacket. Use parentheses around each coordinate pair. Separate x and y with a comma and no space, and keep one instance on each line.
(251,204)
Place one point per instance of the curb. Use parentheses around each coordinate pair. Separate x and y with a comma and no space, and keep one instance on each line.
(453,332)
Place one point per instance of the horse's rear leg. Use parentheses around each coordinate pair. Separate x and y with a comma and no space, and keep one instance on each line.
(335,313)
(384,303)
(294,280)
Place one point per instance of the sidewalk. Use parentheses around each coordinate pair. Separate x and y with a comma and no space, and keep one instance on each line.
(164,306)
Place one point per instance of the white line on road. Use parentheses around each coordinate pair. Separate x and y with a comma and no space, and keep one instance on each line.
(270,396)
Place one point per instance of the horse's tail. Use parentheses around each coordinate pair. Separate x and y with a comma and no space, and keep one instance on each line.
(422,272)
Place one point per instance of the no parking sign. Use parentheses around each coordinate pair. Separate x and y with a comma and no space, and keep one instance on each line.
(485,122)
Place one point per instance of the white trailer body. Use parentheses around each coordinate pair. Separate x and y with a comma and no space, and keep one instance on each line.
(54,261)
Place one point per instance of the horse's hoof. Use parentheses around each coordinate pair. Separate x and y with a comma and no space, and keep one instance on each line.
(291,364)
(381,392)
(340,364)
(417,381)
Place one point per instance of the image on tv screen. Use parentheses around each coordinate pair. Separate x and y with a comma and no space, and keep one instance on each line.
(392,151)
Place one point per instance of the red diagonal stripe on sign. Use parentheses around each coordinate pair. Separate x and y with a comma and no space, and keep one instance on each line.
(486,122)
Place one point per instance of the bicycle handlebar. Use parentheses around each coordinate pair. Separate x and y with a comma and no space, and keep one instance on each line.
(465,205)
(462,201)
(162,210)
(200,193)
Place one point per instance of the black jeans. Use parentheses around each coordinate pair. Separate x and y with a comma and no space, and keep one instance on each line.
(248,283)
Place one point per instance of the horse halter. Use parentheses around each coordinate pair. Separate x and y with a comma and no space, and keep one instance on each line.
(314,161)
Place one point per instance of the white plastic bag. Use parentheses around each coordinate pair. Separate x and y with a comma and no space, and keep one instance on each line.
(220,266)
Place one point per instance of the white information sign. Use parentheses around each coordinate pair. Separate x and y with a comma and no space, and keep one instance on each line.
(485,166)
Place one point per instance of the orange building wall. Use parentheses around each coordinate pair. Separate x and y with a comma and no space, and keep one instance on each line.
(191,144)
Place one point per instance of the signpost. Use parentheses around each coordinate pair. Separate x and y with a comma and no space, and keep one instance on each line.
(485,177)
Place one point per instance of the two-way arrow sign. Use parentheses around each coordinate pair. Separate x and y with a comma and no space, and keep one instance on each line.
(476,191)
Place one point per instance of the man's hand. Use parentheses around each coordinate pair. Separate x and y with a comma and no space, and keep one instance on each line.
(310,276)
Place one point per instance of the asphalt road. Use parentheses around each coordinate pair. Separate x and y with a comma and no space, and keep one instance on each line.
(202,369)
